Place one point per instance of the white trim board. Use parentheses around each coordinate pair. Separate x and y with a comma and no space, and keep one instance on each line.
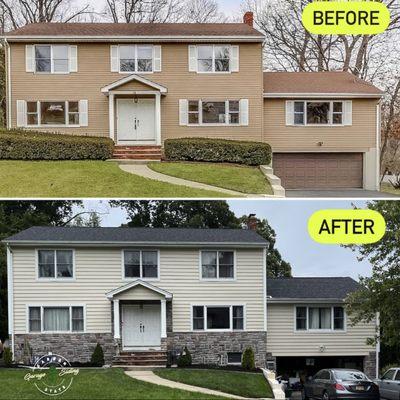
(110,295)
(127,79)
(322,95)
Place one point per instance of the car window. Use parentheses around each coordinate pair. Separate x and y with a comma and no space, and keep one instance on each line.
(318,375)
(389,375)
(350,376)
(325,375)
(397,378)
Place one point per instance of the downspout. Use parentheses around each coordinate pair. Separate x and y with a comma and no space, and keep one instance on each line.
(265,286)
(8,84)
(378,345)
(378,143)
(10,296)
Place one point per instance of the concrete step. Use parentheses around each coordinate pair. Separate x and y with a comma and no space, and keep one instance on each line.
(137,156)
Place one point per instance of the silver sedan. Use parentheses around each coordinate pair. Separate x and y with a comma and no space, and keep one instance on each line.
(389,384)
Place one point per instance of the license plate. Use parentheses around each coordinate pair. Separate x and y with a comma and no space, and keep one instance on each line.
(360,388)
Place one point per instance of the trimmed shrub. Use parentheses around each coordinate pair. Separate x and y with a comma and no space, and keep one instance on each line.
(185,359)
(19,144)
(7,356)
(248,359)
(217,150)
(97,358)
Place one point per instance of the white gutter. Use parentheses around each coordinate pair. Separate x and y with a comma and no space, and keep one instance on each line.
(378,144)
(323,95)
(10,294)
(8,85)
(378,345)
(303,300)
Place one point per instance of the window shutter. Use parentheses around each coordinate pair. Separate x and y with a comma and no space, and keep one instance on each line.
(21,113)
(244,112)
(73,58)
(234,58)
(289,112)
(183,112)
(157,58)
(192,58)
(83,113)
(114,53)
(30,58)
(348,112)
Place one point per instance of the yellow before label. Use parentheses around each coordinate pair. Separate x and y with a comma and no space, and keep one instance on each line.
(346,226)
(346,17)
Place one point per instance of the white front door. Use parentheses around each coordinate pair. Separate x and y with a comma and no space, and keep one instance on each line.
(136,122)
(141,326)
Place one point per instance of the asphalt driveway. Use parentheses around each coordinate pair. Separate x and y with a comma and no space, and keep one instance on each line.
(342,193)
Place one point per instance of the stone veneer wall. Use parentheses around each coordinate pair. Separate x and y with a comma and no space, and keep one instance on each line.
(75,347)
(212,347)
(370,365)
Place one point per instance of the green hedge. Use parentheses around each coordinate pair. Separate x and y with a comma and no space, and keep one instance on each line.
(19,144)
(217,150)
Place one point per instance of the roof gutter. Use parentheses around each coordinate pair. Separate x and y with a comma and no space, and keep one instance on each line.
(323,95)
(288,300)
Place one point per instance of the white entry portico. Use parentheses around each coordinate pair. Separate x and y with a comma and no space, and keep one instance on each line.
(135,112)
(139,315)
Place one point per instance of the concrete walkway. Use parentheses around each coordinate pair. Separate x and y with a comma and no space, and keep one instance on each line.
(145,172)
(151,377)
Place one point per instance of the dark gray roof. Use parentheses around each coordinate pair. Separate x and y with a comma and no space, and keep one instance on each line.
(311,288)
(141,235)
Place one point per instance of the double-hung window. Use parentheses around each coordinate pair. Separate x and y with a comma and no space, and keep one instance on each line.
(207,112)
(135,58)
(55,264)
(318,113)
(56,319)
(213,58)
(141,264)
(52,59)
(52,113)
(320,318)
(218,318)
(217,264)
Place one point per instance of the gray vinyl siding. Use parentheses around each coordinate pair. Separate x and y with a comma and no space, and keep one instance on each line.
(99,270)
(284,340)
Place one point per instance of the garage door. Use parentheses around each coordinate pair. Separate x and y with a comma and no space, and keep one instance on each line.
(319,171)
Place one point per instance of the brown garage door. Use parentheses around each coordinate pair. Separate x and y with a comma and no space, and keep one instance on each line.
(319,171)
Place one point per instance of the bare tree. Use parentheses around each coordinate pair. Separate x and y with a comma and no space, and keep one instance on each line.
(18,13)
(202,11)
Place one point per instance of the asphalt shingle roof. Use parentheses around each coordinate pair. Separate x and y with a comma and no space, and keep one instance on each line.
(311,288)
(150,235)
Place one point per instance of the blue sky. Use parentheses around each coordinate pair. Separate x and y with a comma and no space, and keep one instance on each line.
(289,219)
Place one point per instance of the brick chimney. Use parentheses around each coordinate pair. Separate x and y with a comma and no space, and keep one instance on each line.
(248,18)
(252,222)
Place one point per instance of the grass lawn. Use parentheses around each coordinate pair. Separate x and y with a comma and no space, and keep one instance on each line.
(92,384)
(388,188)
(245,384)
(79,179)
(235,177)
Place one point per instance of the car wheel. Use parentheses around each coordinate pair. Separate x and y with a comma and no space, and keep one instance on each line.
(325,396)
(304,395)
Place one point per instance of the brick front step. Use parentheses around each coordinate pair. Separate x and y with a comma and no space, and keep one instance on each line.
(141,358)
(137,152)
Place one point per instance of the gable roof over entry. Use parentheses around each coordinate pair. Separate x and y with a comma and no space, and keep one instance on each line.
(120,82)
(110,295)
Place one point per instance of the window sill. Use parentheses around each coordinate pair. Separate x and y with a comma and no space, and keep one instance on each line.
(53,126)
(214,73)
(142,279)
(217,330)
(214,125)
(52,73)
(55,279)
(55,332)
(136,72)
(218,280)
(319,125)
(322,331)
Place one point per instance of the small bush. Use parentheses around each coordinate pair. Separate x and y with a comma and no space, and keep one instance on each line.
(7,356)
(185,359)
(248,359)
(97,358)
(19,144)
(217,150)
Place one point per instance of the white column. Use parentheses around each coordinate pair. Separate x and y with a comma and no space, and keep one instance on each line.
(111,114)
(117,334)
(158,118)
(163,318)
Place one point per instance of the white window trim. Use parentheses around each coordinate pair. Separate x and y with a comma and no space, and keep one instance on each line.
(227,112)
(213,60)
(55,266)
(42,306)
(136,59)
(217,279)
(332,330)
(51,60)
(128,279)
(330,116)
(230,306)
(66,109)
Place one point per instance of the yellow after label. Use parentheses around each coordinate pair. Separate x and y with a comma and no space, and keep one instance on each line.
(346,17)
(346,226)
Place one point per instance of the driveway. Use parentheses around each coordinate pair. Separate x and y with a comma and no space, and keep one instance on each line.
(341,193)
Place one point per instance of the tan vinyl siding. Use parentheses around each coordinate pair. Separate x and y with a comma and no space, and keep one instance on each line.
(283,340)
(94,73)
(100,270)
(360,136)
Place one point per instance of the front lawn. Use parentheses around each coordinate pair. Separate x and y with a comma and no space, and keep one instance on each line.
(245,384)
(234,177)
(92,384)
(19,179)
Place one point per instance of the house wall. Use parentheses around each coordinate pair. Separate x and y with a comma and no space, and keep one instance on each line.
(97,271)
(94,73)
(359,137)
(283,340)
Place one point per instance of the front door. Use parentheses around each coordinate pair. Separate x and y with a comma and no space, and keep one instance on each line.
(136,121)
(141,326)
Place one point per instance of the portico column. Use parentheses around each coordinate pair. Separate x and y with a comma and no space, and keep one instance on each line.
(163,318)
(111,114)
(158,118)
(117,334)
